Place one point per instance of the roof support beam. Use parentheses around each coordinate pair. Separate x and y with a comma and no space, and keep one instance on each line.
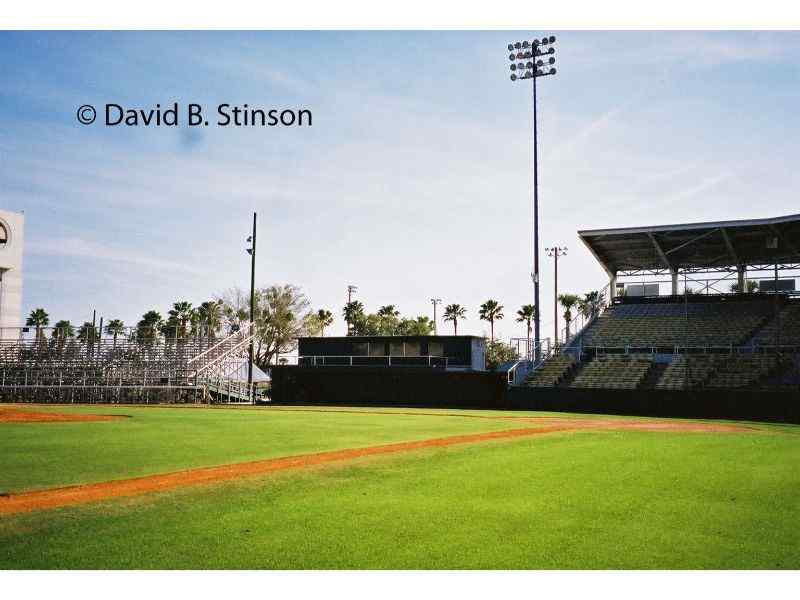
(691,241)
(660,252)
(729,245)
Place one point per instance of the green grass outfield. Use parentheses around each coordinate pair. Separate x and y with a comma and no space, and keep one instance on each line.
(579,500)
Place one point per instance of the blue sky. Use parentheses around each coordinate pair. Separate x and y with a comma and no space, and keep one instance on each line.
(414,180)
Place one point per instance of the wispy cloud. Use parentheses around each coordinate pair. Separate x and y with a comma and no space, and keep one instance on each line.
(82,248)
(703,186)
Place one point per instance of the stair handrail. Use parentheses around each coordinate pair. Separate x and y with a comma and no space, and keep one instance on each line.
(239,332)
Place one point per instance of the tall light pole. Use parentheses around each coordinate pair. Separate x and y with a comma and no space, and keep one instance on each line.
(351,289)
(435,301)
(252,252)
(528,62)
(555,252)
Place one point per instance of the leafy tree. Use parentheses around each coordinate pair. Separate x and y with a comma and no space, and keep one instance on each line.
(454,312)
(235,307)
(526,314)
(750,287)
(491,311)
(498,353)
(422,325)
(568,302)
(353,311)
(366,324)
(281,317)
(115,327)
(38,318)
(324,319)
(388,320)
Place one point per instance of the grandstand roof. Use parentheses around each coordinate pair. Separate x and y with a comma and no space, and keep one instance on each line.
(696,246)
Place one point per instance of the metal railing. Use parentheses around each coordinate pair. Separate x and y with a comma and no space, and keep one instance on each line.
(373,361)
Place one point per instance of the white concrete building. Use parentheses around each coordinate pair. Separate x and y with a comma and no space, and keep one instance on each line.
(12,238)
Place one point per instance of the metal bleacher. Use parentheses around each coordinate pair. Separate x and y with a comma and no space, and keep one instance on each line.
(43,364)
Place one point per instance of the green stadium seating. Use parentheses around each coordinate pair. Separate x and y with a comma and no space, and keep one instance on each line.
(625,371)
(673,324)
(554,370)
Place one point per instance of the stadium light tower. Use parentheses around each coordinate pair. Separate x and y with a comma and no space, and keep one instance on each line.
(555,252)
(531,60)
(435,301)
(252,252)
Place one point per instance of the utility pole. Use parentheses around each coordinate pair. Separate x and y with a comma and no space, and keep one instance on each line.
(252,252)
(435,301)
(555,252)
(532,66)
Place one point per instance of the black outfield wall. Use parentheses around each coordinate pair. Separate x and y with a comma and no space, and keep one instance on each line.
(751,405)
(435,388)
(387,386)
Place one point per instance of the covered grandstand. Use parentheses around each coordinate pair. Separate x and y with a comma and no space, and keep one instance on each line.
(679,314)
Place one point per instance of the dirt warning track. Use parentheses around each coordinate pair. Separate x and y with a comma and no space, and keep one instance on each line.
(95,492)
(24,415)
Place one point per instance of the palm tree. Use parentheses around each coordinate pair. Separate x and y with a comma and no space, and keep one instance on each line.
(388,311)
(568,302)
(584,309)
(491,311)
(526,314)
(594,302)
(181,314)
(63,330)
(149,324)
(454,312)
(38,318)
(115,327)
(352,312)
(750,287)
(209,315)
(87,332)
(324,319)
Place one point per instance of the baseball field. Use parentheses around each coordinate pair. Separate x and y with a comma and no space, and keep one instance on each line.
(121,487)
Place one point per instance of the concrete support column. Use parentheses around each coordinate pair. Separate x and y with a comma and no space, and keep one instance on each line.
(741,273)
(674,282)
(612,285)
